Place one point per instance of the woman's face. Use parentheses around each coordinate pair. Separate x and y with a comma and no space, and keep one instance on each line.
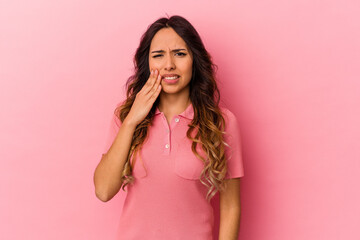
(169,55)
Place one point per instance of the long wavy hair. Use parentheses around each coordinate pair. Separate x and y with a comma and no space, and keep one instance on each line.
(208,123)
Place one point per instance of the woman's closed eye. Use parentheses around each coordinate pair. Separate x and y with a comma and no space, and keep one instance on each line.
(181,54)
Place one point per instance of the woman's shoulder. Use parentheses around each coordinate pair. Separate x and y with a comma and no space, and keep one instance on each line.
(120,102)
(116,112)
(118,105)
(231,122)
(227,113)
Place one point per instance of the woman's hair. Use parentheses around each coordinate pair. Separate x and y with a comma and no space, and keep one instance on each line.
(208,123)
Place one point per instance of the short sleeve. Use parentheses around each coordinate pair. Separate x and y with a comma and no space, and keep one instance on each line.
(113,129)
(233,152)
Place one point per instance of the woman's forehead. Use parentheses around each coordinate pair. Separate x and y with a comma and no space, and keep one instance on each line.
(168,46)
(167,40)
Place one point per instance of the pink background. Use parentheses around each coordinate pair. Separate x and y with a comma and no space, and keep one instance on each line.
(289,70)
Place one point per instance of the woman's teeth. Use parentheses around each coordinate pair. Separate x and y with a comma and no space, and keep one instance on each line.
(170,78)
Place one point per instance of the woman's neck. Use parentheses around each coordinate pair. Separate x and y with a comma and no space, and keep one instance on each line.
(173,105)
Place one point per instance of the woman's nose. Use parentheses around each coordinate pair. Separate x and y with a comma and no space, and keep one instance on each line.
(169,63)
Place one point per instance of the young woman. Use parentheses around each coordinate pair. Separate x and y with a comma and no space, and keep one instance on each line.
(171,144)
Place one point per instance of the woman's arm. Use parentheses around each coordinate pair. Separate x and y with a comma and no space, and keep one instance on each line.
(107,176)
(230,210)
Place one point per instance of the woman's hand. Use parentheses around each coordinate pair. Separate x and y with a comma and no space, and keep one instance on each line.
(145,98)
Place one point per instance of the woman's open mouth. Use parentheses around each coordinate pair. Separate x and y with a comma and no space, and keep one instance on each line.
(171,79)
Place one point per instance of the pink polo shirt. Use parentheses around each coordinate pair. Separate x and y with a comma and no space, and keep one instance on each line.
(167,200)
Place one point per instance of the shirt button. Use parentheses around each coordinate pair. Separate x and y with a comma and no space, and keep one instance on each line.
(167,145)
(176,120)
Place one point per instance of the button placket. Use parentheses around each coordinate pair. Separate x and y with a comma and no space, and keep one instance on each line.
(167,138)
(166,143)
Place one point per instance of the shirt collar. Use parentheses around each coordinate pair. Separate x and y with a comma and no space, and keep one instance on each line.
(188,113)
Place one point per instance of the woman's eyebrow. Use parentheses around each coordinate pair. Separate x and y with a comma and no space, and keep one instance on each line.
(174,50)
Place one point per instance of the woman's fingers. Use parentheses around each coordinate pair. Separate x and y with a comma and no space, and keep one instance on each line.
(146,97)
(152,82)
(157,83)
(156,93)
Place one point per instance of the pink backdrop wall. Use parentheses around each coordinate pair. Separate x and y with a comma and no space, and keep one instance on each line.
(289,70)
